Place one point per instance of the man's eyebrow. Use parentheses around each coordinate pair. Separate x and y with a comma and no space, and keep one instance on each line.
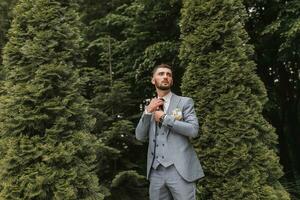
(163,72)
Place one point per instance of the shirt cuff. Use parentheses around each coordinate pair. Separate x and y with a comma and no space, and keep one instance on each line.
(146,112)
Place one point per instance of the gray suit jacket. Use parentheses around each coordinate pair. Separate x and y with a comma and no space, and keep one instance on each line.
(179,148)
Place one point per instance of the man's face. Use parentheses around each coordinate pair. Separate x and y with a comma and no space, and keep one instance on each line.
(162,79)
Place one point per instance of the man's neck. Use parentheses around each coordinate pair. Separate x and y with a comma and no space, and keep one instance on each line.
(162,93)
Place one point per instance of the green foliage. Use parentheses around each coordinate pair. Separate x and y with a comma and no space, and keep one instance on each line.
(287,27)
(237,145)
(49,103)
(5,20)
(292,187)
(140,33)
(93,85)
(49,152)
(127,183)
(108,103)
(130,38)
(274,30)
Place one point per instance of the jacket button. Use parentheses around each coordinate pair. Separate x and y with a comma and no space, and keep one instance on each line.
(163,144)
(153,140)
(156,156)
(152,153)
(157,145)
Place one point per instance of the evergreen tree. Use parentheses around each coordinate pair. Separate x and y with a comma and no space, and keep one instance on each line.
(126,43)
(5,19)
(125,40)
(110,101)
(108,104)
(141,34)
(274,29)
(47,151)
(237,146)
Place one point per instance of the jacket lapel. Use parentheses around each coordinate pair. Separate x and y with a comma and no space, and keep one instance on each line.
(173,103)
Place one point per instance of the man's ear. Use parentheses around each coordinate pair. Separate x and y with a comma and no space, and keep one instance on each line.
(152,81)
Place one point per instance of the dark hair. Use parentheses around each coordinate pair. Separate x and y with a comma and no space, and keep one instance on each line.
(161,66)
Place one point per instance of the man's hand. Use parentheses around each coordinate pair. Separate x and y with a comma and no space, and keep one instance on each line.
(157,115)
(154,105)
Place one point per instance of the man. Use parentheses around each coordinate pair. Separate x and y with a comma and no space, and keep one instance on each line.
(168,122)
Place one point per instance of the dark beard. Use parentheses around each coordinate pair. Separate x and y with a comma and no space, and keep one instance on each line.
(163,87)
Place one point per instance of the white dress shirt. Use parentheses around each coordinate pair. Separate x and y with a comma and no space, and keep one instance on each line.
(167,99)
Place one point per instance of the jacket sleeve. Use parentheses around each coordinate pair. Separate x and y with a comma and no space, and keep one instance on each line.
(142,129)
(188,126)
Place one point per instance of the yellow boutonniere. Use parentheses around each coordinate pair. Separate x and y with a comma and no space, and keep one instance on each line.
(177,113)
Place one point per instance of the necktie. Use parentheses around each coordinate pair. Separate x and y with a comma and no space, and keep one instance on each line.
(161,107)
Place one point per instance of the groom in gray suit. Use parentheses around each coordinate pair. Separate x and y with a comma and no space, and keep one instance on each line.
(168,122)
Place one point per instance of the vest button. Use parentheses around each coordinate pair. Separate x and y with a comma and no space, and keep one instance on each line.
(162,157)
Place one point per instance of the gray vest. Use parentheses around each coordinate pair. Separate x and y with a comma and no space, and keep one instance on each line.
(160,156)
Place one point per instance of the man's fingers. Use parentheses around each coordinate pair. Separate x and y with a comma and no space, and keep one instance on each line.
(154,104)
(160,102)
(157,102)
